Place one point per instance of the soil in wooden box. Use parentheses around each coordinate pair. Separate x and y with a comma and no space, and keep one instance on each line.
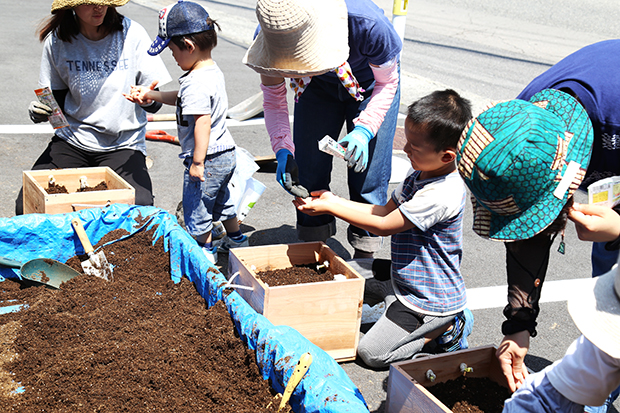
(471,395)
(54,188)
(139,343)
(297,274)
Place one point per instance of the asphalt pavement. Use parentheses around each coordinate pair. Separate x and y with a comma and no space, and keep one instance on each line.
(272,220)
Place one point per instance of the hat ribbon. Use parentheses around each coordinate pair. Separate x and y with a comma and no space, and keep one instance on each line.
(345,75)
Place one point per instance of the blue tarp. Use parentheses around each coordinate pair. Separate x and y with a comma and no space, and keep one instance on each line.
(325,388)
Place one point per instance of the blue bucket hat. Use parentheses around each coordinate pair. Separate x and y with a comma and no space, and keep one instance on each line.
(522,161)
(179,19)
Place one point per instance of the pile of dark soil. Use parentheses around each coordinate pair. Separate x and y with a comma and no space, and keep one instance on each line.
(101,186)
(53,188)
(471,395)
(139,343)
(298,274)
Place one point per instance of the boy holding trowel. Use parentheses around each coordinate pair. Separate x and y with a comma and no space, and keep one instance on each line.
(424,292)
(207,147)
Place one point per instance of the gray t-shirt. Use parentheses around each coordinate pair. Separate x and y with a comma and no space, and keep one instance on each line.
(203,92)
(96,74)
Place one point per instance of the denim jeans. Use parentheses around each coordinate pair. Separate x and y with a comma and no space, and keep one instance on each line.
(602,260)
(323,109)
(209,200)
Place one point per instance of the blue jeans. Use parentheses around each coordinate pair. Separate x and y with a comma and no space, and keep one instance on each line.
(209,200)
(323,109)
(602,261)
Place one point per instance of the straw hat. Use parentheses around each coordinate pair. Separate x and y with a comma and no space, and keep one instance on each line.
(69,4)
(596,311)
(299,37)
(522,161)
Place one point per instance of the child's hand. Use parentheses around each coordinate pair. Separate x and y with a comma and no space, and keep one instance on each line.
(139,94)
(595,223)
(316,204)
(197,172)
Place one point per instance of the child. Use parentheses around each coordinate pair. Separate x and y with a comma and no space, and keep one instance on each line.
(426,295)
(590,370)
(207,147)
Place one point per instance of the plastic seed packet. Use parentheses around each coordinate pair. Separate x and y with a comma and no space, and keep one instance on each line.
(330,146)
(605,192)
(57,118)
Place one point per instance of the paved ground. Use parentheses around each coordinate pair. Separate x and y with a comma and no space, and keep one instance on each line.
(273,218)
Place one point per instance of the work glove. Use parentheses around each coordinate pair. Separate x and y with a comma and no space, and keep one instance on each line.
(356,143)
(287,174)
(39,111)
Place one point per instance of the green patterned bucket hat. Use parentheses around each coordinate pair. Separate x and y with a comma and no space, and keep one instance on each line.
(522,161)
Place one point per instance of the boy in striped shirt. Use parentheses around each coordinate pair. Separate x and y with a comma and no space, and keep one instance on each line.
(422,286)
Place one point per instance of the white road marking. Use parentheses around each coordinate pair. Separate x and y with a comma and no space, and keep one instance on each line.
(484,298)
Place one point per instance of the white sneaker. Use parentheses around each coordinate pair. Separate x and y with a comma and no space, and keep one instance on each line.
(228,243)
(211,254)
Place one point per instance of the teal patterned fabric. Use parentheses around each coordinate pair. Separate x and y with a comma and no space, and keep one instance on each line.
(515,154)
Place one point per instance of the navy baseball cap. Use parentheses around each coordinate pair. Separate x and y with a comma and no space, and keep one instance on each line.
(179,19)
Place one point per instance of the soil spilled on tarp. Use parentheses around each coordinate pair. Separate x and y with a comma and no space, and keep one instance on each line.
(471,395)
(140,343)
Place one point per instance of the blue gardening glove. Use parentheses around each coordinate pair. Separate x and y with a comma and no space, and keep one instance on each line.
(287,174)
(356,143)
(38,111)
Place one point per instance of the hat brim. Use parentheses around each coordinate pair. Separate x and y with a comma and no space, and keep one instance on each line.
(158,45)
(596,311)
(320,49)
(540,215)
(69,4)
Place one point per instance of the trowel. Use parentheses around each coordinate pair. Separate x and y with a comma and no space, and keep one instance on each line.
(42,270)
(97,263)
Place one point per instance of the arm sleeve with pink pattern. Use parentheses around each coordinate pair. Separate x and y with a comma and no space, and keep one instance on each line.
(386,84)
(276,117)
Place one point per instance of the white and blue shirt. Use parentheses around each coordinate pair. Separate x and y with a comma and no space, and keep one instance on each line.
(426,259)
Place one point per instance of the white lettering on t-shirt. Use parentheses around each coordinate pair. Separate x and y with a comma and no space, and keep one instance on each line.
(97,65)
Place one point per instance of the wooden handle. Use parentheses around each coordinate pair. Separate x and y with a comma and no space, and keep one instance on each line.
(302,367)
(81,233)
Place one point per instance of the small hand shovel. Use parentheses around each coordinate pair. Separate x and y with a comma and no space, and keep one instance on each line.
(97,264)
(42,270)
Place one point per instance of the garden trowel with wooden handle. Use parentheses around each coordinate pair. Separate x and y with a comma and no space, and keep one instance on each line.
(97,263)
(302,367)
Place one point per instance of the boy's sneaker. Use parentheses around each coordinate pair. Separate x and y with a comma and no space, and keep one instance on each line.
(456,338)
(211,254)
(227,243)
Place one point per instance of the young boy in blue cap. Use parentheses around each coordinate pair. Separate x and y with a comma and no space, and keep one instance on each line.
(424,291)
(207,147)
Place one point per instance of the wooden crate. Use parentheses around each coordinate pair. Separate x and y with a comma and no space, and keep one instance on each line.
(37,200)
(327,313)
(407,381)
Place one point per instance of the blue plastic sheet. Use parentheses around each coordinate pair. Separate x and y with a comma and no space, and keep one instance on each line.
(325,387)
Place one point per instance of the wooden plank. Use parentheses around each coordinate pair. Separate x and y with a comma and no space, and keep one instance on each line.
(407,382)
(405,395)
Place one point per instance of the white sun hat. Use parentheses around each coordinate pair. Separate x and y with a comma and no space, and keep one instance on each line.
(299,38)
(596,312)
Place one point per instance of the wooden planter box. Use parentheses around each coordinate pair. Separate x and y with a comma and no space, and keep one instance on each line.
(407,381)
(327,313)
(37,200)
